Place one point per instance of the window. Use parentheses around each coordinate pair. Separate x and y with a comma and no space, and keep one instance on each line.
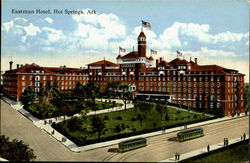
(23,77)
(44,78)
(30,77)
(23,84)
(31,83)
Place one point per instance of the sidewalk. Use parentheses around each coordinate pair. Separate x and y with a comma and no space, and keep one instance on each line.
(73,147)
(202,150)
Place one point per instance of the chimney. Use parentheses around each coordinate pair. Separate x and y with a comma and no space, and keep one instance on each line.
(160,59)
(17,65)
(157,61)
(11,65)
(195,60)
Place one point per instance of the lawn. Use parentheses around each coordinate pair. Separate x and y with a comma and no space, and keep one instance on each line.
(122,124)
(235,153)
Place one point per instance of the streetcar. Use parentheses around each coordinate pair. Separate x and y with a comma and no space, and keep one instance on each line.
(132,144)
(190,134)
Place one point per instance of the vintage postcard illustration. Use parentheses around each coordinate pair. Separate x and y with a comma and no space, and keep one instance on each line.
(125,81)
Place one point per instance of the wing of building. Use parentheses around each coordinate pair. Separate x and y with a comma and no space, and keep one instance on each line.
(179,81)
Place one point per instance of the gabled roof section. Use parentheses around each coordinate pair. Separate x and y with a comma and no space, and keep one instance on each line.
(175,61)
(142,35)
(103,63)
(217,69)
(119,56)
(151,58)
(34,67)
(163,63)
(183,62)
(133,54)
(65,69)
(193,63)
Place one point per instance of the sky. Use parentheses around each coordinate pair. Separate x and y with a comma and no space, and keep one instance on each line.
(215,32)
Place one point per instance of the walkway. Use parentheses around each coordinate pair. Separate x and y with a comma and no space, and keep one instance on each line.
(202,150)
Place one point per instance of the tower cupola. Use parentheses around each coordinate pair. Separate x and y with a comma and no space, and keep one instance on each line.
(141,45)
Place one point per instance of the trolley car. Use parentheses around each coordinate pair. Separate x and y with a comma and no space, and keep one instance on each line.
(190,134)
(132,144)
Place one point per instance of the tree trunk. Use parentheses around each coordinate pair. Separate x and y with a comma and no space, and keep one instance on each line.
(125,102)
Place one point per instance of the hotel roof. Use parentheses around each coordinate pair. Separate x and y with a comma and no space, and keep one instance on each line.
(103,63)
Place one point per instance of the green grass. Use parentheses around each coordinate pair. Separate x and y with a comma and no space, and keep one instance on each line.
(234,153)
(123,123)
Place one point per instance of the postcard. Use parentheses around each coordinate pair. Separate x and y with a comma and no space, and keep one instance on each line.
(125,81)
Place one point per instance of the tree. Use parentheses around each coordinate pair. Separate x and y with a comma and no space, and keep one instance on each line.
(125,93)
(98,125)
(92,90)
(79,92)
(66,109)
(15,150)
(161,108)
(144,108)
(27,97)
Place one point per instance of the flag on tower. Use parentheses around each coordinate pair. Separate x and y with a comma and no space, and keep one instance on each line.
(146,24)
(179,53)
(122,50)
(153,51)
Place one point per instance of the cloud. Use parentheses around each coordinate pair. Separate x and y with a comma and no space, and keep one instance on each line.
(30,30)
(106,26)
(7,26)
(53,34)
(49,20)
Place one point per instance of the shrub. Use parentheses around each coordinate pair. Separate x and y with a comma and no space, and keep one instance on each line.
(182,118)
(195,116)
(119,118)
(178,112)
(123,126)
(188,116)
(133,119)
(118,128)
(133,129)
(176,119)
(154,124)
(106,118)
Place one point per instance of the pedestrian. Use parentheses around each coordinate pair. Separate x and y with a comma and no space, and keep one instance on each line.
(244,136)
(175,155)
(208,148)
(224,141)
(241,138)
(178,156)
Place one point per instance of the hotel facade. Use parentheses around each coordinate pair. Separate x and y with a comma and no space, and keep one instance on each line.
(179,81)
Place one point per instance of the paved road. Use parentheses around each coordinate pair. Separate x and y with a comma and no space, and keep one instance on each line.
(14,125)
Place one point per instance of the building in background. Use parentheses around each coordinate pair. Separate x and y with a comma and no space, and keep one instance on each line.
(178,81)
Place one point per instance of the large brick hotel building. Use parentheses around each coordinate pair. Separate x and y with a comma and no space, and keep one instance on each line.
(180,81)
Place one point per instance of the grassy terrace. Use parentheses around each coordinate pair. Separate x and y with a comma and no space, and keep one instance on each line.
(234,153)
(122,124)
